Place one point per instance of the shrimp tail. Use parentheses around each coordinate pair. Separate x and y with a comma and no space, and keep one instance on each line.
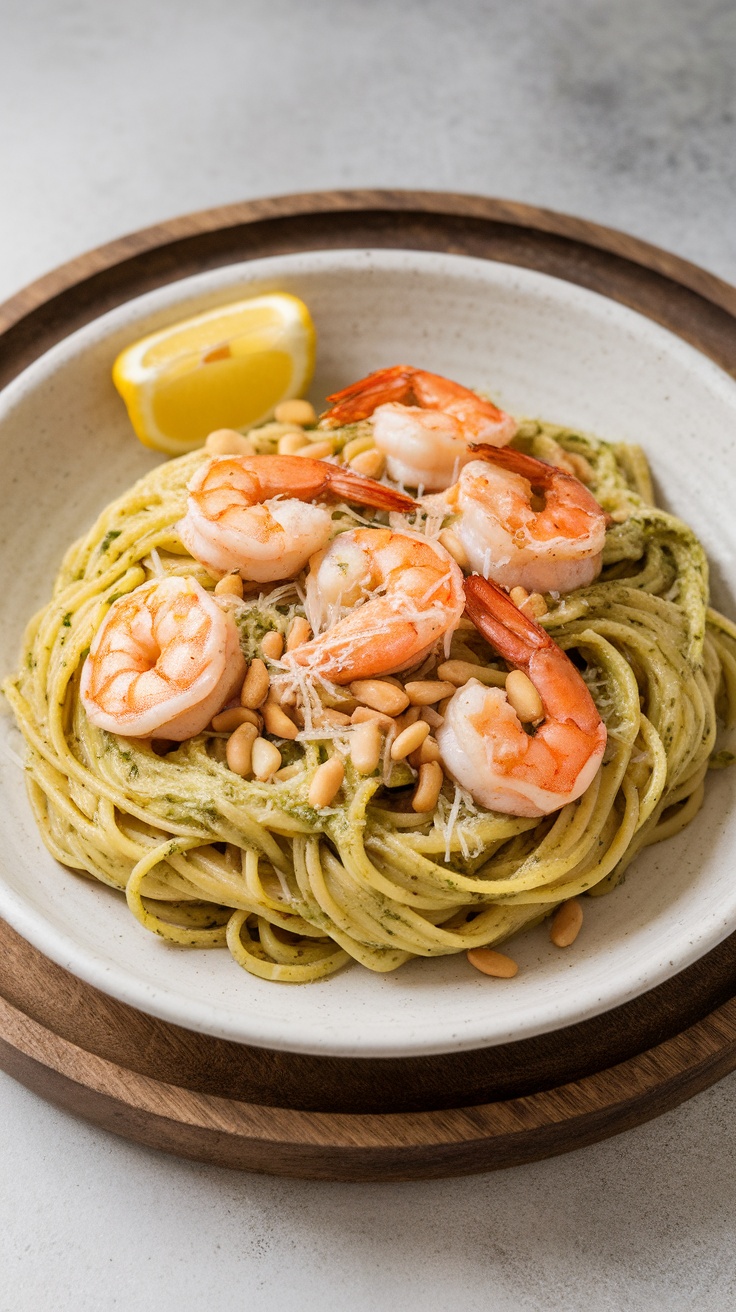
(514,635)
(354,487)
(536,471)
(487,742)
(539,473)
(527,646)
(360,399)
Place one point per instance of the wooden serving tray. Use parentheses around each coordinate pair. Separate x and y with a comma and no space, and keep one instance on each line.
(366,1119)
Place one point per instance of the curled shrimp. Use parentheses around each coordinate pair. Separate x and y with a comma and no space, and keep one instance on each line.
(421,421)
(482,742)
(254,514)
(525,523)
(402,592)
(164,661)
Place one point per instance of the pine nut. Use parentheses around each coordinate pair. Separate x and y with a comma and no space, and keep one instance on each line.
(370,463)
(342,701)
(410,716)
(493,963)
(288,772)
(433,717)
(380,695)
(290,443)
(277,722)
(316,450)
(366,714)
(295,411)
(425,692)
(365,746)
(333,719)
(428,789)
(620,516)
(581,467)
(529,603)
(471,657)
(357,447)
(566,923)
(523,697)
(408,741)
(442,708)
(458,672)
(233,717)
(299,633)
(265,759)
(272,645)
(240,747)
(227,442)
(326,782)
(229,586)
(316,435)
(428,751)
(535,606)
(451,542)
(255,685)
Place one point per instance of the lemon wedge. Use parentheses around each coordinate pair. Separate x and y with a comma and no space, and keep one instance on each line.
(226,368)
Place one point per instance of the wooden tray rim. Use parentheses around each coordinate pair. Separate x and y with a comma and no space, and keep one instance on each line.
(357,1145)
(85,267)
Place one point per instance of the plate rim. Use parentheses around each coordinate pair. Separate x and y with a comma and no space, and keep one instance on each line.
(31,318)
(51,290)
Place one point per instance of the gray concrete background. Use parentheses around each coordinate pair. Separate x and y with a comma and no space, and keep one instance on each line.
(115,116)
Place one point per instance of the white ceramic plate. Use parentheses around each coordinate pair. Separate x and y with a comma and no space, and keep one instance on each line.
(543,347)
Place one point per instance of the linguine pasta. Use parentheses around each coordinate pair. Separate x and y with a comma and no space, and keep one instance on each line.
(206,858)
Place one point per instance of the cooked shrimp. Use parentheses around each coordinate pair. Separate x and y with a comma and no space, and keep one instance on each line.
(482,741)
(164,661)
(553,546)
(421,421)
(404,593)
(254,514)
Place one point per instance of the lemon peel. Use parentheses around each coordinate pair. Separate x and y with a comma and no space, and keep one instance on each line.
(226,368)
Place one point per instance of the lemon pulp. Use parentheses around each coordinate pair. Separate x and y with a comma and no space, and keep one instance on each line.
(226,368)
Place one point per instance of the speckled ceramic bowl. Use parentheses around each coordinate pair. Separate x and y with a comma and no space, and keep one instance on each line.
(544,348)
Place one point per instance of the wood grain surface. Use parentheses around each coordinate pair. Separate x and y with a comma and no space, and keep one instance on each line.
(333,1118)
(335,1145)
